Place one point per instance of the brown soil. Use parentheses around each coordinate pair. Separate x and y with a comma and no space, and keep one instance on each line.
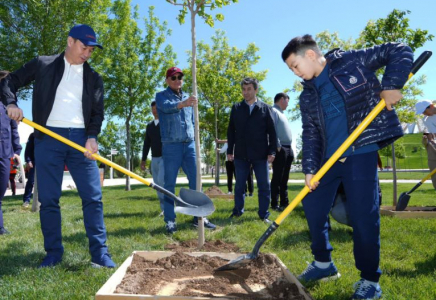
(214,190)
(185,275)
(209,246)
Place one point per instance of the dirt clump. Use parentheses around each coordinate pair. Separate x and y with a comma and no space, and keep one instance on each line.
(214,190)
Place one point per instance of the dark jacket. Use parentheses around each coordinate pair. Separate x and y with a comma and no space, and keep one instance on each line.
(251,136)
(29,152)
(352,73)
(47,72)
(152,140)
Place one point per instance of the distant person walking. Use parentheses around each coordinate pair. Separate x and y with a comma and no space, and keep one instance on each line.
(29,157)
(152,140)
(428,109)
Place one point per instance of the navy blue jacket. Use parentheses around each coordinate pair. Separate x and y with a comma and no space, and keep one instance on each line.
(47,72)
(251,136)
(353,75)
(9,138)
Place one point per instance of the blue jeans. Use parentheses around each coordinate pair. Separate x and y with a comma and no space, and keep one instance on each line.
(176,155)
(158,172)
(29,184)
(52,156)
(260,168)
(359,177)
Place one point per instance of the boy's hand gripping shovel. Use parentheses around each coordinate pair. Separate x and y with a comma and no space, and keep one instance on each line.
(190,202)
(404,198)
(245,259)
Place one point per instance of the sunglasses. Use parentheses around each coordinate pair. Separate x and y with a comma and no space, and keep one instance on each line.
(173,78)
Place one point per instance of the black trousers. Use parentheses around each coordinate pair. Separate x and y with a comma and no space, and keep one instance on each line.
(230,170)
(279,182)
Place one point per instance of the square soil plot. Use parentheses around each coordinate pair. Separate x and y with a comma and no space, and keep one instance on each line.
(409,212)
(190,275)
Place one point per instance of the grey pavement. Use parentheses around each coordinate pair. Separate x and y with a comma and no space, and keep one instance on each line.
(68,183)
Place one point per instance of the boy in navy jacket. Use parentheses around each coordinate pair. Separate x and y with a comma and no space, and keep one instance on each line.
(340,89)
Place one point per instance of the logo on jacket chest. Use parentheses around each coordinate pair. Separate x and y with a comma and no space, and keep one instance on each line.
(353,80)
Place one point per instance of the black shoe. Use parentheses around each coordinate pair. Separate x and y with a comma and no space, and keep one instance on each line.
(207,224)
(4,231)
(234,216)
(277,208)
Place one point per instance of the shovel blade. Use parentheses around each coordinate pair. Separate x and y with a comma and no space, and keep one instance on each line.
(403,201)
(200,205)
(238,262)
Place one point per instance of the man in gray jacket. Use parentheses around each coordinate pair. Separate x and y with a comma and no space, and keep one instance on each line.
(284,156)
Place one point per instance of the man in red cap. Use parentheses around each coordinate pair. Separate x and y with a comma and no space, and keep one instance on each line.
(176,115)
(67,99)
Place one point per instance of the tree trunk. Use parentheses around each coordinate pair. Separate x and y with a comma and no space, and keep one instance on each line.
(217,163)
(196,121)
(128,154)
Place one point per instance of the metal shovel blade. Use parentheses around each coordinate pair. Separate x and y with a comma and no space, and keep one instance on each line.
(238,262)
(200,205)
(403,201)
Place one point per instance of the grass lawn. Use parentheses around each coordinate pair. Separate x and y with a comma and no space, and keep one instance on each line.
(408,256)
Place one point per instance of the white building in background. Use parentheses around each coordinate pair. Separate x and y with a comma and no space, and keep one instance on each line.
(416,127)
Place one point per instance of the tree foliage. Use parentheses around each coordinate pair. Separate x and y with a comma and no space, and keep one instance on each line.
(135,66)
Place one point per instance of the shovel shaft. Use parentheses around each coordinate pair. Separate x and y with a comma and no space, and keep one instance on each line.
(428,176)
(83,150)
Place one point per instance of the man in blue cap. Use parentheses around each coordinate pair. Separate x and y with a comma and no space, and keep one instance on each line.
(67,99)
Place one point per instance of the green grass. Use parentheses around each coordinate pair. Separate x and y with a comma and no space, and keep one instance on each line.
(408,256)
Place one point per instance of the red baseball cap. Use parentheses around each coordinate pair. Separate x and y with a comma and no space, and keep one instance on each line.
(173,70)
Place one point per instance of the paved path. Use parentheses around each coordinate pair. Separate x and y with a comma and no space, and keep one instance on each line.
(68,184)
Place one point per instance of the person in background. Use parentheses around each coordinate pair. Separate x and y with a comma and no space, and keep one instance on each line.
(68,100)
(252,142)
(152,140)
(14,166)
(428,109)
(176,117)
(284,156)
(11,148)
(339,90)
(29,157)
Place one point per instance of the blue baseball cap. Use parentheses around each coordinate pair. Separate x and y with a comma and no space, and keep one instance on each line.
(85,34)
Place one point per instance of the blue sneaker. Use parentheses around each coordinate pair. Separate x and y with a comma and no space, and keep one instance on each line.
(366,290)
(50,261)
(104,261)
(313,273)
(207,224)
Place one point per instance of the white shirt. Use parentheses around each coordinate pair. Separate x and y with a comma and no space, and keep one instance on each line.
(430,123)
(156,122)
(67,108)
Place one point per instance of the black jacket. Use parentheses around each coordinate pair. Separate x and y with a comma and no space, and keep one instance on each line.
(251,136)
(29,153)
(353,75)
(47,72)
(152,140)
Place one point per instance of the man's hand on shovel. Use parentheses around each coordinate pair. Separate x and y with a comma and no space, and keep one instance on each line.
(391,97)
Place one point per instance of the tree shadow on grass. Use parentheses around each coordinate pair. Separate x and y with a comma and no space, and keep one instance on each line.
(14,259)
(424,268)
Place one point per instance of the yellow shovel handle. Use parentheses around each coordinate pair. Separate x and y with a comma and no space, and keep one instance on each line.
(428,176)
(83,150)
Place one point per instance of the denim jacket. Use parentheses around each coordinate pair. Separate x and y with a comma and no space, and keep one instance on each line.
(176,125)
(352,73)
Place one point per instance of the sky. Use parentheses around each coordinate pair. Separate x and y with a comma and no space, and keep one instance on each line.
(271,24)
